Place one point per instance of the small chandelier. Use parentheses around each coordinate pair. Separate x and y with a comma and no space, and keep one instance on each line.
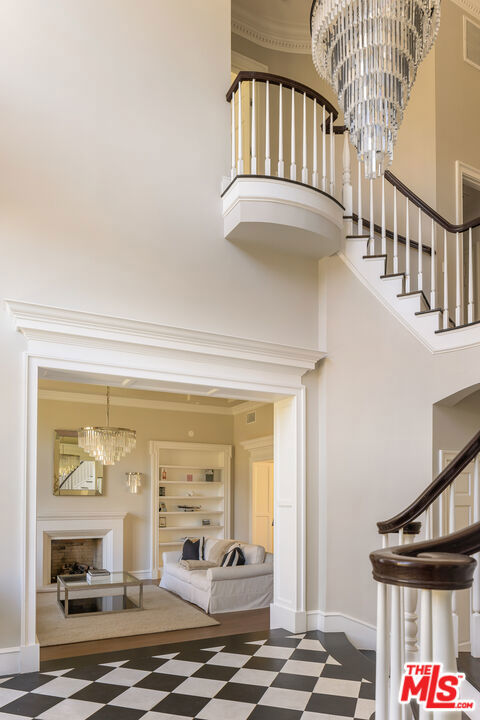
(134,482)
(370,51)
(107,444)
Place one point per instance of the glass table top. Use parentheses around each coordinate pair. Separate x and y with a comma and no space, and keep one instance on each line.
(115,578)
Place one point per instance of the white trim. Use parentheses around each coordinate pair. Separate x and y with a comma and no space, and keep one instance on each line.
(466,59)
(52,324)
(243,62)
(271,33)
(470,6)
(361,634)
(15,660)
(463,171)
(94,399)
(284,617)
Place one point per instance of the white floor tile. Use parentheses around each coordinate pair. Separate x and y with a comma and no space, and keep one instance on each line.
(71,709)
(184,668)
(214,649)
(225,710)
(334,686)
(250,676)
(8,696)
(117,663)
(229,659)
(123,676)
(200,687)
(139,698)
(296,637)
(331,661)
(169,656)
(9,716)
(320,716)
(311,645)
(273,651)
(285,699)
(302,667)
(62,687)
(57,673)
(256,642)
(364,708)
(152,715)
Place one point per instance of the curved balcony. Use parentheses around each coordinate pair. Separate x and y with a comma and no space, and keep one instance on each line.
(273,200)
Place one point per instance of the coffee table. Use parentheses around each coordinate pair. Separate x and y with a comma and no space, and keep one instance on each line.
(102,602)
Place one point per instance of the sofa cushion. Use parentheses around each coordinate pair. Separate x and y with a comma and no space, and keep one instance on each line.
(197,578)
(254,554)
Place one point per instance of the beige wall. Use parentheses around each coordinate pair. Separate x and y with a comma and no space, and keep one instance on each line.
(242,486)
(453,427)
(150,425)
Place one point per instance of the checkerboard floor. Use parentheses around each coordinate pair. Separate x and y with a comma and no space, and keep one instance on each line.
(259,676)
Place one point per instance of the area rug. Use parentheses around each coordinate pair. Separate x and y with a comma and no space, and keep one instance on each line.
(163,612)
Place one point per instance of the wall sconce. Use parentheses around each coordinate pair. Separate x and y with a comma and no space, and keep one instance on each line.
(134,482)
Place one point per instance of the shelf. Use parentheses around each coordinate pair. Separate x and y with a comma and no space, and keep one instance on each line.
(192,527)
(191,467)
(190,512)
(189,482)
(163,498)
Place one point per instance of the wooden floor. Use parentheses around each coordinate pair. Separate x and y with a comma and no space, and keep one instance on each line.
(230,624)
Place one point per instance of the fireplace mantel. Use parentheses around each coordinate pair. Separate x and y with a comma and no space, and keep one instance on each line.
(71,525)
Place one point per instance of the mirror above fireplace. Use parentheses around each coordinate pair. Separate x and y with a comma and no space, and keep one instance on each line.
(75,472)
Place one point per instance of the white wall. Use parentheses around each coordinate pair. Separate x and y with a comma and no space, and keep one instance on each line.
(150,425)
(114,141)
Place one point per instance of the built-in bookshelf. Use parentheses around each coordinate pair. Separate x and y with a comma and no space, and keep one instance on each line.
(196,475)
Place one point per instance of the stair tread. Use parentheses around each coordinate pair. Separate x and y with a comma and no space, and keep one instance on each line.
(358,236)
(371,257)
(426,312)
(392,275)
(458,327)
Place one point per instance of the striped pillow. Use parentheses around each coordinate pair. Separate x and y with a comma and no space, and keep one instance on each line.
(233,557)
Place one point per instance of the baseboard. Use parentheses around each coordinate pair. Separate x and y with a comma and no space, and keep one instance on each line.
(292,620)
(15,660)
(361,634)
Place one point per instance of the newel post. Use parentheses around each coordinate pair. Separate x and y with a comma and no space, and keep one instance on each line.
(347,192)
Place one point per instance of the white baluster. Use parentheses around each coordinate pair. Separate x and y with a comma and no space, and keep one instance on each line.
(420,252)
(324,152)
(371,242)
(471,305)
(381,666)
(395,232)
(426,652)
(240,149)
(315,147)
(332,157)
(407,246)
(384,227)
(458,284)
(451,529)
(233,171)
(293,166)
(406,711)
(443,644)
(281,163)
(359,200)
(396,668)
(253,164)
(433,271)
(475,619)
(411,628)
(268,162)
(445,281)
(347,190)
(429,523)
(304,142)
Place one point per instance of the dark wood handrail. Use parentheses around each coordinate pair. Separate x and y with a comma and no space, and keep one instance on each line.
(441,564)
(435,489)
(449,227)
(285,82)
(389,233)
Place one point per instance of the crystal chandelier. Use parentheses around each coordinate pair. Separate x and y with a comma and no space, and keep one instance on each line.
(107,444)
(370,51)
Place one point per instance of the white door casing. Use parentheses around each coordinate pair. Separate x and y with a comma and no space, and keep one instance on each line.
(163,356)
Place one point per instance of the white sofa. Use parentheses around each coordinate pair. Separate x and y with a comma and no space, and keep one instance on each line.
(222,589)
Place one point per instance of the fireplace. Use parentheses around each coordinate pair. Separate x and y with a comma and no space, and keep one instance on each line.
(74,556)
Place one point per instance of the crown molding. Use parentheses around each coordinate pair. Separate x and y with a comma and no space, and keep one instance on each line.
(470,6)
(45,323)
(257,443)
(132,402)
(273,34)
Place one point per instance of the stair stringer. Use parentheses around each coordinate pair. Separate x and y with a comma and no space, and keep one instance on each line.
(387,289)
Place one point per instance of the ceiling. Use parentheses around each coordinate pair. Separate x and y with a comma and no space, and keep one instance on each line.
(279,24)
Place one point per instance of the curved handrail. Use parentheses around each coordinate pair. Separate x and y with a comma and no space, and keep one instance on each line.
(435,489)
(442,564)
(284,82)
(449,227)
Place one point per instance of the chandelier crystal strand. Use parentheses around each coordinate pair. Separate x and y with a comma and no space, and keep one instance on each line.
(370,51)
(107,444)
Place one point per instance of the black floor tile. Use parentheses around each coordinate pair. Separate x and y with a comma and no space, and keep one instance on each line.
(263,712)
(113,712)
(261,663)
(31,705)
(332,705)
(367,690)
(295,682)
(342,672)
(99,692)
(215,672)
(144,663)
(160,681)
(27,681)
(309,656)
(239,692)
(89,672)
(177,704)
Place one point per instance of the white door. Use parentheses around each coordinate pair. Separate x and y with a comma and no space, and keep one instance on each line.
(262,504)
(461,517)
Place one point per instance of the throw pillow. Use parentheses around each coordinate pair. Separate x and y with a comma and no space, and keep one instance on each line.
(233,557)
(191,549)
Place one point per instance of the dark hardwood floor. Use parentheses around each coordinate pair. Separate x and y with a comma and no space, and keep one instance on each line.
(230,624)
